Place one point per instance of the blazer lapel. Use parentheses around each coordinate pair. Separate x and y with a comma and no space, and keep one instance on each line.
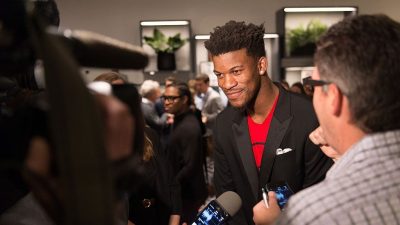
(244,148)
(277,130)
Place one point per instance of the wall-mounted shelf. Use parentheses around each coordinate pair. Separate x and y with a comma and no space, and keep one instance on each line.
(160,76)
(183,56)
(292,22)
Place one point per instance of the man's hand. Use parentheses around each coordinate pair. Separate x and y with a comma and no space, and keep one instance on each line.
(263,215)
(318,138)
(204,119)
(170,118)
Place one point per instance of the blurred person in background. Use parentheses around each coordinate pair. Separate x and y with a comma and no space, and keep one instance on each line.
(184,148)
(157,201)
(297,88)
(211,101)
(284,84)
(151,92)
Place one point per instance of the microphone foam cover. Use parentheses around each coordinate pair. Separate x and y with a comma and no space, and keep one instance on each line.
(230,201)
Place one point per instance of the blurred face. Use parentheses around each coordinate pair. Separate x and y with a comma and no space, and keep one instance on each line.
(154,95)
(309,90)
(201,86)
(238,76)
(295,89)
(119,81)
(173,102)
(168,82)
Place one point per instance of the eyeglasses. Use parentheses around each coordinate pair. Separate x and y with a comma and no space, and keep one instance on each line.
(313,83)
(170,98)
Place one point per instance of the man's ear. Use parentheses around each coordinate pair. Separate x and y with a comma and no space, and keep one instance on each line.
(185,99)
(262,66)
(336,100)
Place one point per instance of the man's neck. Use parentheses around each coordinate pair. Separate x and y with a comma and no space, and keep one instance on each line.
(350,136)
(264,101)
(184,110)
(205,91)
(343,132)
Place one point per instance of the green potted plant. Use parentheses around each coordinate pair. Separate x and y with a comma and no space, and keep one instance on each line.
(165,47)
(301,41)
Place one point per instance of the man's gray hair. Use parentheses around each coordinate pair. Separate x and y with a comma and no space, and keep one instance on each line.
(361,56)
(148,86)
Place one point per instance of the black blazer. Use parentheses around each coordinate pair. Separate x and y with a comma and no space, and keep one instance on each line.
(235,170)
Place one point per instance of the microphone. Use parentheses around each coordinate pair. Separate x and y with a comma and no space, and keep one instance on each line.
(95,50)
(220,210)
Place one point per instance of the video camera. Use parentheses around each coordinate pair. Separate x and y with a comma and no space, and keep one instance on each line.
(65,112)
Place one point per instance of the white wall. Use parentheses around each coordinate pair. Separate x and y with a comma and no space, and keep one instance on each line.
(120,18)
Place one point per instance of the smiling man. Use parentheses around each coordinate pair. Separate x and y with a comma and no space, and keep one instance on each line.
(263,118)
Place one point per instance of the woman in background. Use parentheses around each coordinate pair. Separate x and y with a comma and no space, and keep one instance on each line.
(155,200)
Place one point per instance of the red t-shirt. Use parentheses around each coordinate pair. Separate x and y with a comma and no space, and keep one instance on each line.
(258,134)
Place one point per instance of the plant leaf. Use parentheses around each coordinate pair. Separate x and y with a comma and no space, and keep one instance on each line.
(160,43)
(175,42)
(300,36)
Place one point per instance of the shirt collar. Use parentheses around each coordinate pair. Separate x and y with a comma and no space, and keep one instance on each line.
(357,151)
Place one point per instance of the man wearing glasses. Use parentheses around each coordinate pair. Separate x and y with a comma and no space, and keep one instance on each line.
(356,99)
(184,148)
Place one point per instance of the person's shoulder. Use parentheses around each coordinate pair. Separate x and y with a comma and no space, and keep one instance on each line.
(309,204)
(215,97)
(321,189)
(145,105)
(190,120)
(300,105)
(214,93)
(227,117)
(300,100)
(228,113)
(151,133)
